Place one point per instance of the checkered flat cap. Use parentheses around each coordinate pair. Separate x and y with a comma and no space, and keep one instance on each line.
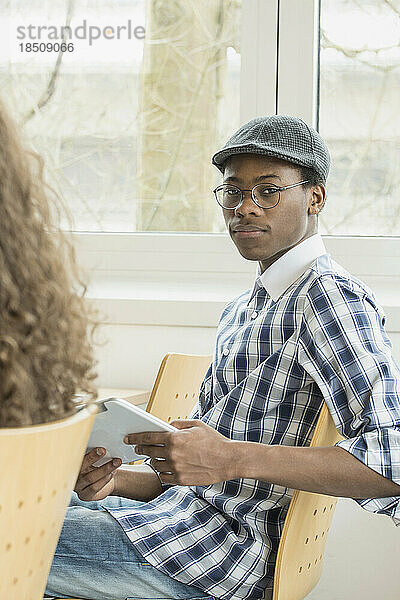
(282,136)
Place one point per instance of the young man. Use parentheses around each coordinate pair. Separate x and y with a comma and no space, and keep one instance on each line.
(206,521)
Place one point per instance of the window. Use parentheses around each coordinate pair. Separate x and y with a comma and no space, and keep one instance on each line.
(128,157)
(359,116)
(127,126)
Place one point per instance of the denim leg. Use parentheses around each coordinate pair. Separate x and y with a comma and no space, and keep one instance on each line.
(95,559)
(109,502)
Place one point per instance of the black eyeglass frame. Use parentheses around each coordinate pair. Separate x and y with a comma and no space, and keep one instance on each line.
(277,188)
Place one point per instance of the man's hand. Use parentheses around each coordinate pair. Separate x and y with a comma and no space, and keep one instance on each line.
(195,455)
(96,483)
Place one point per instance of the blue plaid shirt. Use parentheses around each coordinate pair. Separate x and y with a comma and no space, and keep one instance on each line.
(307,332)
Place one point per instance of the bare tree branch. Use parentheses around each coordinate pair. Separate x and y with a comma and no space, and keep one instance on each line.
(356,53)
(51,86)
(391,5)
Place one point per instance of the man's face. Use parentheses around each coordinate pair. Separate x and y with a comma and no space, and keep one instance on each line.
(269,233)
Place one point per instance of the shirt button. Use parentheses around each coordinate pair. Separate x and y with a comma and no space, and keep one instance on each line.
(226,352)
(254,314)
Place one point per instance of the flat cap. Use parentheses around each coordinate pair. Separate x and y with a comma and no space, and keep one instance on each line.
(283,136)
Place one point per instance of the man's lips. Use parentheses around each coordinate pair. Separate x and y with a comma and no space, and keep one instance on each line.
(246,231)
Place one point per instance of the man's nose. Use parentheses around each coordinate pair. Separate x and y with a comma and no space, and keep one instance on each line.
(248,205)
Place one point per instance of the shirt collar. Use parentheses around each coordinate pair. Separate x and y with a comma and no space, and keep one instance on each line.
(289,267)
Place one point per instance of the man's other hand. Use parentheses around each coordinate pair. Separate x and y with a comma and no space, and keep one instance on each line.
(96,483)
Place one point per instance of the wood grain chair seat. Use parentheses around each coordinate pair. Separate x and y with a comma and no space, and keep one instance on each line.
(40,465)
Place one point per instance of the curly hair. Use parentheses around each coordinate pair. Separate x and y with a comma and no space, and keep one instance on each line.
(45,326)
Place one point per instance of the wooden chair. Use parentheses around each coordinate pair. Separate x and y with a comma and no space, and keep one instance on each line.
(176,388)
(302,545)
(39,467)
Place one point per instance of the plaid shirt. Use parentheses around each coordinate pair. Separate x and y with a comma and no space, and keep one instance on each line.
(307,332)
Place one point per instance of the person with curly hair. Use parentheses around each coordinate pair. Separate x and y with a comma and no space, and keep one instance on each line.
(45,350)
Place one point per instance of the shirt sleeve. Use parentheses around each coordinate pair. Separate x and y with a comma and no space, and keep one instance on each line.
(344,347)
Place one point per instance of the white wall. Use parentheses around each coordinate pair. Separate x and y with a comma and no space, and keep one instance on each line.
(131,354)
(134,352)
(361,558)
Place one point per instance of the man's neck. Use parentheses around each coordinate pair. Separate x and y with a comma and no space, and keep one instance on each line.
(264,264)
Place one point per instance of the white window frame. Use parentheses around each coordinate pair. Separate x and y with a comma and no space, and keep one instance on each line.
(191,259)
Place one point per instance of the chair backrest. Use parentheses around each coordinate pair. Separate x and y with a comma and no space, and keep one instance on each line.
(302,545)
(176,388)
(39,468)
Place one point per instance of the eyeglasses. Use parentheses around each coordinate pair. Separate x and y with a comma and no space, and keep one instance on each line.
(264,195)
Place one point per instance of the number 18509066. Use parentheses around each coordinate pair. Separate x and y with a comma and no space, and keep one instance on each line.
(46,47)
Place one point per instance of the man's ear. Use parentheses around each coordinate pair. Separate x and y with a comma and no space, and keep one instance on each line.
(317,199)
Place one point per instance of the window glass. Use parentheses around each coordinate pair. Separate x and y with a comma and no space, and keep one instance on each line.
(128,113)
(359,116)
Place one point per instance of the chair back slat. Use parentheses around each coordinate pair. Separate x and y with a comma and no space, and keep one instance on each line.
(302,545)
(177,385)
(39,468)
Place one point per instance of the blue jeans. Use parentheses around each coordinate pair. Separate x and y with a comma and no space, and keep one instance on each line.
(95,559)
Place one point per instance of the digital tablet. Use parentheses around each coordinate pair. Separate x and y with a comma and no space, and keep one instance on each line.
(115,420)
